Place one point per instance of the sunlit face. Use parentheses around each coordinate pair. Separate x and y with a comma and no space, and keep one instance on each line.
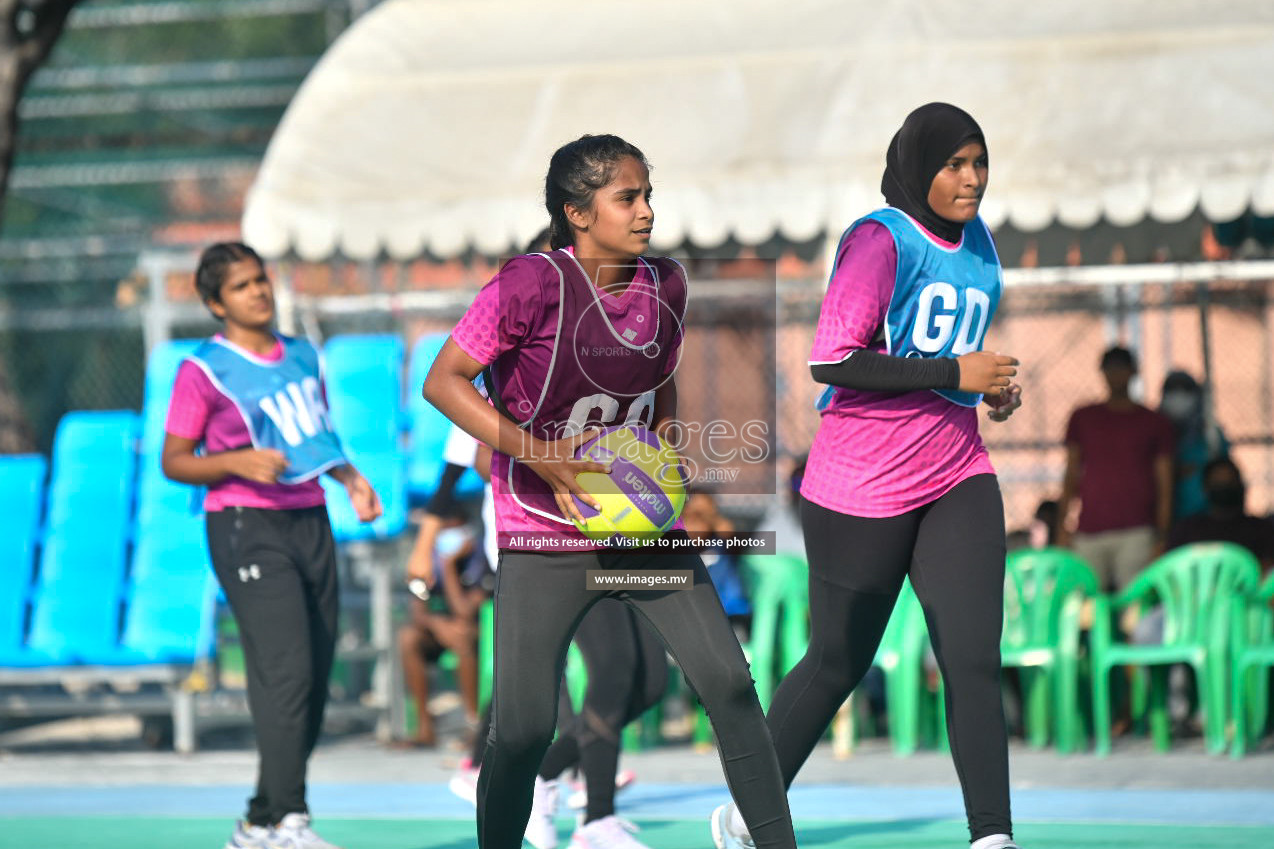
(619,222)
(956,191)
(247,296)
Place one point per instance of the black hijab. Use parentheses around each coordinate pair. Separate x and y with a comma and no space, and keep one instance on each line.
(917,152)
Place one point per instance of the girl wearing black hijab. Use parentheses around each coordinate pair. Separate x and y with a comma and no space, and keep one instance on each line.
(898,483)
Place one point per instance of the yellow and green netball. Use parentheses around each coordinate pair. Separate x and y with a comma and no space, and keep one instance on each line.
(643,495)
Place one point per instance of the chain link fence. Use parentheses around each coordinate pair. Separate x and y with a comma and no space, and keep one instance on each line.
(1211,320)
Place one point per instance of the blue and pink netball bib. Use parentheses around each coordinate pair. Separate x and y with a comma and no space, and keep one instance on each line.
(944,296)
(281,402)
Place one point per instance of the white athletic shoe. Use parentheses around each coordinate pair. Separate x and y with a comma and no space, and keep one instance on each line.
(994,841)
(465,782)
(578,800)
(541,829)
(723,836)
(248,836)
(294,832)
(609,832)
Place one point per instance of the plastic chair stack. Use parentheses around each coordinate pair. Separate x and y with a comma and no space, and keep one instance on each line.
(427,429)
(1044,594)
(1253,646)
(778,586)
(1200,587)
(901,657)
(171,594)
(21,503)
(363,374)
(78,590)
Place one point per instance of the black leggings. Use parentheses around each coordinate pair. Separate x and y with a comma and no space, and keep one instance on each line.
(953,550)
(627,673)
(540,599)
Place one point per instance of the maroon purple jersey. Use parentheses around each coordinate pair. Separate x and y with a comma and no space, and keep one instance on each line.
(564,355)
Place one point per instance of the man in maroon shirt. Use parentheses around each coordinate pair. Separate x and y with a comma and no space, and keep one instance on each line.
(1119,465)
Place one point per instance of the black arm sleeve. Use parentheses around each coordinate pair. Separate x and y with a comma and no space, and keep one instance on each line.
(876,372)
(444,496)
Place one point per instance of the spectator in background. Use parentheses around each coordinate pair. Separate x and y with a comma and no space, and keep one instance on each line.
(782,518)
(702,518)
(1119,466)
(449,583)
(1199,441)
(1040,533)
(1226,518)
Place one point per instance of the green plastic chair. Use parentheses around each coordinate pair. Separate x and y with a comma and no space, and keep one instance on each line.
(901,657)
(1044,592)
(1253,647)
(1200,587)
(778,587)
(486,652)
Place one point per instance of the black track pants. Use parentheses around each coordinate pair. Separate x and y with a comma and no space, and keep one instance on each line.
(278,570)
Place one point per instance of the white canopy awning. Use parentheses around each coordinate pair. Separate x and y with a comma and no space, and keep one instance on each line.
(429,124)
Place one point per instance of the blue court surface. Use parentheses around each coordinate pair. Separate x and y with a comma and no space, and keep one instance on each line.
(368,815)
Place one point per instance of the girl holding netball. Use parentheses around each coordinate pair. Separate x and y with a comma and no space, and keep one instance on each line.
(898,481)
(536,326)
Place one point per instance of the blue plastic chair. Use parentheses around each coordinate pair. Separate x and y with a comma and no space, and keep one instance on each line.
(21,498)
(75,625)
(170,619)
(95,439)
(161,371)
(14,652)
(72,562)
(94,466)
(363,374)
(427,429)
(175,551)
(161,501)
(387,473)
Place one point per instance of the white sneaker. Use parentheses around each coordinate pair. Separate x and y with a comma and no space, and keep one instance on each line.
(294,832)
(465,783)
(578,799)
(541,829)
(994,841)
(248,836)
(607,833)
(723,836)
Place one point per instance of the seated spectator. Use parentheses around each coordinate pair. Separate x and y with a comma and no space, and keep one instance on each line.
(1226,518)
(702,518)
(449,583)
(1040,533)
